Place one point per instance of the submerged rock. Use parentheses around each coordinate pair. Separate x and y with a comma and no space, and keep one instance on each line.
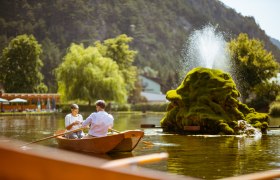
(208,98)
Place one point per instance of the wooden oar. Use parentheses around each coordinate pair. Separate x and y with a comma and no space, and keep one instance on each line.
(53,136)
(113,130)
(151,158)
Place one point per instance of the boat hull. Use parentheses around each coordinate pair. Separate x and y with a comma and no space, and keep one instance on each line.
(94,145)
(130,141)
(41,162)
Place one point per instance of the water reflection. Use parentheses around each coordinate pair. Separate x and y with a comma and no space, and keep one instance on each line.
(215,157)
(208,157)
(28,128)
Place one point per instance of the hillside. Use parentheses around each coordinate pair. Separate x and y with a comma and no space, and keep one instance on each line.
(159,28)
(275,42)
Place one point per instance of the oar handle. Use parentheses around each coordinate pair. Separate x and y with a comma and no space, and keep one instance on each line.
(114,130)
(151,158)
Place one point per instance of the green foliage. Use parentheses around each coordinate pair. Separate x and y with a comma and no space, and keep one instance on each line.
(225,128)
(253,64)
(118,50)
(65,108)
(159,29)
(208,98)
(169,121)
(265,93)
(110,107)
(51,59)
(135,95)
(20,66)
(258,120)
(149,72)
(41,88)
(117,107)
(274,109)
(155,107)
(85,74)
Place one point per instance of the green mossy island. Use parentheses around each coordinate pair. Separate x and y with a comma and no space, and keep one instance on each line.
(209,98)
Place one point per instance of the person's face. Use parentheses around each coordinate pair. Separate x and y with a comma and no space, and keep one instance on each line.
(74,111)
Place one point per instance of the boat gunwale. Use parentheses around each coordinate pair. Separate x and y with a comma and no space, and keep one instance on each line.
(65,143)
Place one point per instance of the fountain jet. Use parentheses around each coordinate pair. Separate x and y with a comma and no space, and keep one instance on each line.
(206,48)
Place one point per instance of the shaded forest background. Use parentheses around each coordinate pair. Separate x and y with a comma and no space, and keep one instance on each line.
(159,29)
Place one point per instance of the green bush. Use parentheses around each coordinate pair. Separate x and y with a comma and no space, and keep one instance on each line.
(209,98)
(155,107)
(274,109)
(117,107)
(265,94)
(65,108)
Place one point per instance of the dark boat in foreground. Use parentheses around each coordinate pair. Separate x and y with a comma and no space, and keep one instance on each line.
(41,162)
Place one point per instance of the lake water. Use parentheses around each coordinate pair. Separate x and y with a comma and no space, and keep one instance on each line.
(207,157)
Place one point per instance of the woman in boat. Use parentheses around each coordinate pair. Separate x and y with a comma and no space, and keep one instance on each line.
(99,121)
(73,121)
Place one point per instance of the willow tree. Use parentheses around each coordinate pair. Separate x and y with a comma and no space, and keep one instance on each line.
(86,75)
(118,50)
(253,64)
(20,66)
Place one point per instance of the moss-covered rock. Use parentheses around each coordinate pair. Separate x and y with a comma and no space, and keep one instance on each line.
(208,98)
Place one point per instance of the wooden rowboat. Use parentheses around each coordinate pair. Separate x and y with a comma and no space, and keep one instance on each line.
(41,162)
(121,142)
(100,145)
(130,141)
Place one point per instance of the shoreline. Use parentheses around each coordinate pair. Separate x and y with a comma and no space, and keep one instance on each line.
(52,112)
(26,113)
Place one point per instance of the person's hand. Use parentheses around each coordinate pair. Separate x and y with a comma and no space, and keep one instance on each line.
(77,122)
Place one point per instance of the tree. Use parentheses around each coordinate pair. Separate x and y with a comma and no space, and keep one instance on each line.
(253,64)
(265,93)
(135,96)
(118,50)
(86,75)
(20,66)
(51,59)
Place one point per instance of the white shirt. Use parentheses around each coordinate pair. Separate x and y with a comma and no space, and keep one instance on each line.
(69,119)
(99,122)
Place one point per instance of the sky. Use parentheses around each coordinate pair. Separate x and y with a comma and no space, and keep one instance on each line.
(265,12)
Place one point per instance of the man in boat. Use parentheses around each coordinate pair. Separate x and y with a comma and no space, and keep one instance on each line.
(73,121)
(99,121)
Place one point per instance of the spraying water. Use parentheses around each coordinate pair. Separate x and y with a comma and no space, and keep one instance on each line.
(206,48)
(247,129)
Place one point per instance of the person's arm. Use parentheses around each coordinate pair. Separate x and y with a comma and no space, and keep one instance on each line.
(72,124)
(112,122)
(87,121)
(81,118)
(68,124)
